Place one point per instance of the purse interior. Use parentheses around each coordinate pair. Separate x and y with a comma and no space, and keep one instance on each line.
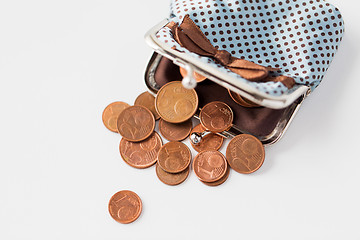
(265,123)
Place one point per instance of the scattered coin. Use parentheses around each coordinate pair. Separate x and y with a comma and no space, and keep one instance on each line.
(241,100)
(111,114)
(174,157)
(136,123)
(210,141)
(141,154)
(171,178)
(175,131)
(176,104)
(220,181)
(209,166)
(198,77)
(147,100)
(245,153)
(125,206)
(216,117)
(141,147)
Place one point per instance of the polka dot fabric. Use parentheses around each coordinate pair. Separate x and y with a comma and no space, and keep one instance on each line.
(300,37)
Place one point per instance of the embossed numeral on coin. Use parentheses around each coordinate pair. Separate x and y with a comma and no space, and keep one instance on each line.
(175,104)
(216,117)
(174,157)
(245,153)
(125,206)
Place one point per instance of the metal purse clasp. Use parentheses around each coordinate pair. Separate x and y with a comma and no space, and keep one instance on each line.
(189,82)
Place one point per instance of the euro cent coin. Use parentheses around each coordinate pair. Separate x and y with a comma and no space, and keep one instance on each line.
(245,153)
(209,166)
(147,100)
(111,114)
(175,131)
(171,178)
(220,181)
(141,154)
(176,104)
(216,117)
(174,157)
(125,206)
(136,123)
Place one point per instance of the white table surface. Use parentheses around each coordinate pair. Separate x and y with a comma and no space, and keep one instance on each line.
(62,62)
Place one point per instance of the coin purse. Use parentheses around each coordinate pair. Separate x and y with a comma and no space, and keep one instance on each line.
(293,41)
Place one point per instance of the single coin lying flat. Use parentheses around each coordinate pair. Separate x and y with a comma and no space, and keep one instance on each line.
(125,206)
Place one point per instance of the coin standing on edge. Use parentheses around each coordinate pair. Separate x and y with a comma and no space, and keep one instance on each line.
(210,141)
(136,123)
(175,131)
(245,153)
(198,77)
(216,117)
(111,114)
(176,104)
(125,206)
(141,154)
(174,157)
(209,166)
(147,100)
(172,178)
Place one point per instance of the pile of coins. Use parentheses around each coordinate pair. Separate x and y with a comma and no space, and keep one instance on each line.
(174,106)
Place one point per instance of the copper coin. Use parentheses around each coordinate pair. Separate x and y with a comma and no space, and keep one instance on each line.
(141,154)
(210,141)
(241,100)
(216,116)
(245,153)
(198,77)
(147,100)
(176,104)
(125,206)
(174,157)
(175,131)
(111,114)
(250,102)
(209,166)
(136,123)
(220,181)
(171,178)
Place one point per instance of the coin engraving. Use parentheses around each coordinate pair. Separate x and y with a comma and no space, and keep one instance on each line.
(172,178)
(245,153)
(174,157)
(216,116)
(125,206)
(209,166)
(135,123)
(148,101)
(111,114)
(176,104)
(141,154)
(220,181)
(175,131)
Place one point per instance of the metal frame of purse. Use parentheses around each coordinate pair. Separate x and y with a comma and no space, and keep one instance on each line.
(281,118)
(268,123)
